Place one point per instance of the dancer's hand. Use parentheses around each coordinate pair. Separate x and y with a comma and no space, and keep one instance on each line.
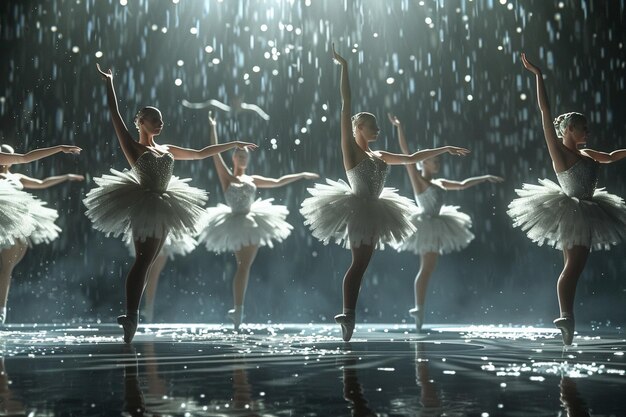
(529,66)
(245,145)
(341,60)
(75,150)
(310,175)
(105,75)
(454,150)
(75,177)
(212,121)
(394,120)
(494,178)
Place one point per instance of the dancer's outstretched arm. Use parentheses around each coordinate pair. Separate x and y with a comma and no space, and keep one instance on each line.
(37,184)
(467,183)
(403,159)
(604,157)
(264,182)
(418,182)
(558,151)
(349,149)
(132,149)
(36,154)
(223,172)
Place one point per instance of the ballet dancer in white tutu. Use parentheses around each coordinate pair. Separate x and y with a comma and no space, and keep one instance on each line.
(440,229)
(244,223)
(363,214)
(24,219)
(146,202)
(573,216)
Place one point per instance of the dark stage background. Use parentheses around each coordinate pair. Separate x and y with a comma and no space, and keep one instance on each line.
(449,69)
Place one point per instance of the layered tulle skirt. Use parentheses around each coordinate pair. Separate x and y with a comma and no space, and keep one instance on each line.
(16,224)
(448,231)
(44,218)
(334,212)
(228,231)
(549,216)
(122,206)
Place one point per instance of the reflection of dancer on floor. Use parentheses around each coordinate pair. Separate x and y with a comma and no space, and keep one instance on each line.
(441,229)
(573,216)
(429,393)
(24,220)
(352,390)
(243,225)
(571,400)
(364,214)
(146,202)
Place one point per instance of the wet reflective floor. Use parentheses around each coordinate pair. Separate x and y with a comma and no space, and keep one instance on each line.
(306,370)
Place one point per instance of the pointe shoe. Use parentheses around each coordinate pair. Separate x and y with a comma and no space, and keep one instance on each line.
(2,319)
(236,317)
(130,327)
(347,326)
(566,326)
(418,315)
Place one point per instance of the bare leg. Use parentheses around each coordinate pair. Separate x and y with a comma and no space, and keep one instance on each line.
(428,263)
(575,260)
(245,257)
(9,258)
(145,254)
(351,286)
(151,286)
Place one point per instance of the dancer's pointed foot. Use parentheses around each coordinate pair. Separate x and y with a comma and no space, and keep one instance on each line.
(236,316)
(129,324)
(347,325)
(566,326)
(418,315)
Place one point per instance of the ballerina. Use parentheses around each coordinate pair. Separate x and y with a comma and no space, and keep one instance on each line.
(24,219)
(146,202)
(573,216)
(243,224)
(441,229)
(45,232)
(364,214)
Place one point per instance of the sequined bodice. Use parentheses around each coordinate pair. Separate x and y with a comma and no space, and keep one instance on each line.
(367,178)
(154,171)
(580,180)
(12,180)
(240,196)
(430,200)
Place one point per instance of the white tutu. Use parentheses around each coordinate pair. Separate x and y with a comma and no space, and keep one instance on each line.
(226,230)
(448,231)
(146,201)
(548,215)
(334,212)
(15,222)
(171,248)
(44,217)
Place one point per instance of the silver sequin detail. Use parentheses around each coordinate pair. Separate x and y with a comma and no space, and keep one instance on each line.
(240,196)
(367,178)
(430,200)
(154,171)
(580,180)
(12,180)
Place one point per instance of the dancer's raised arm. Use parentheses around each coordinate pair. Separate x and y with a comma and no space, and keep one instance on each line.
(558,152)
(418,183)
(132,150)
(604,157)
(349,148)
(468,182)
(402,159)
(36,154)
(264,182)
(37,184)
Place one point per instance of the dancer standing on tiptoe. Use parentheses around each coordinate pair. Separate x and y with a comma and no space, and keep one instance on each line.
(364,214)
(146,202)
(573,216)
(441,229)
